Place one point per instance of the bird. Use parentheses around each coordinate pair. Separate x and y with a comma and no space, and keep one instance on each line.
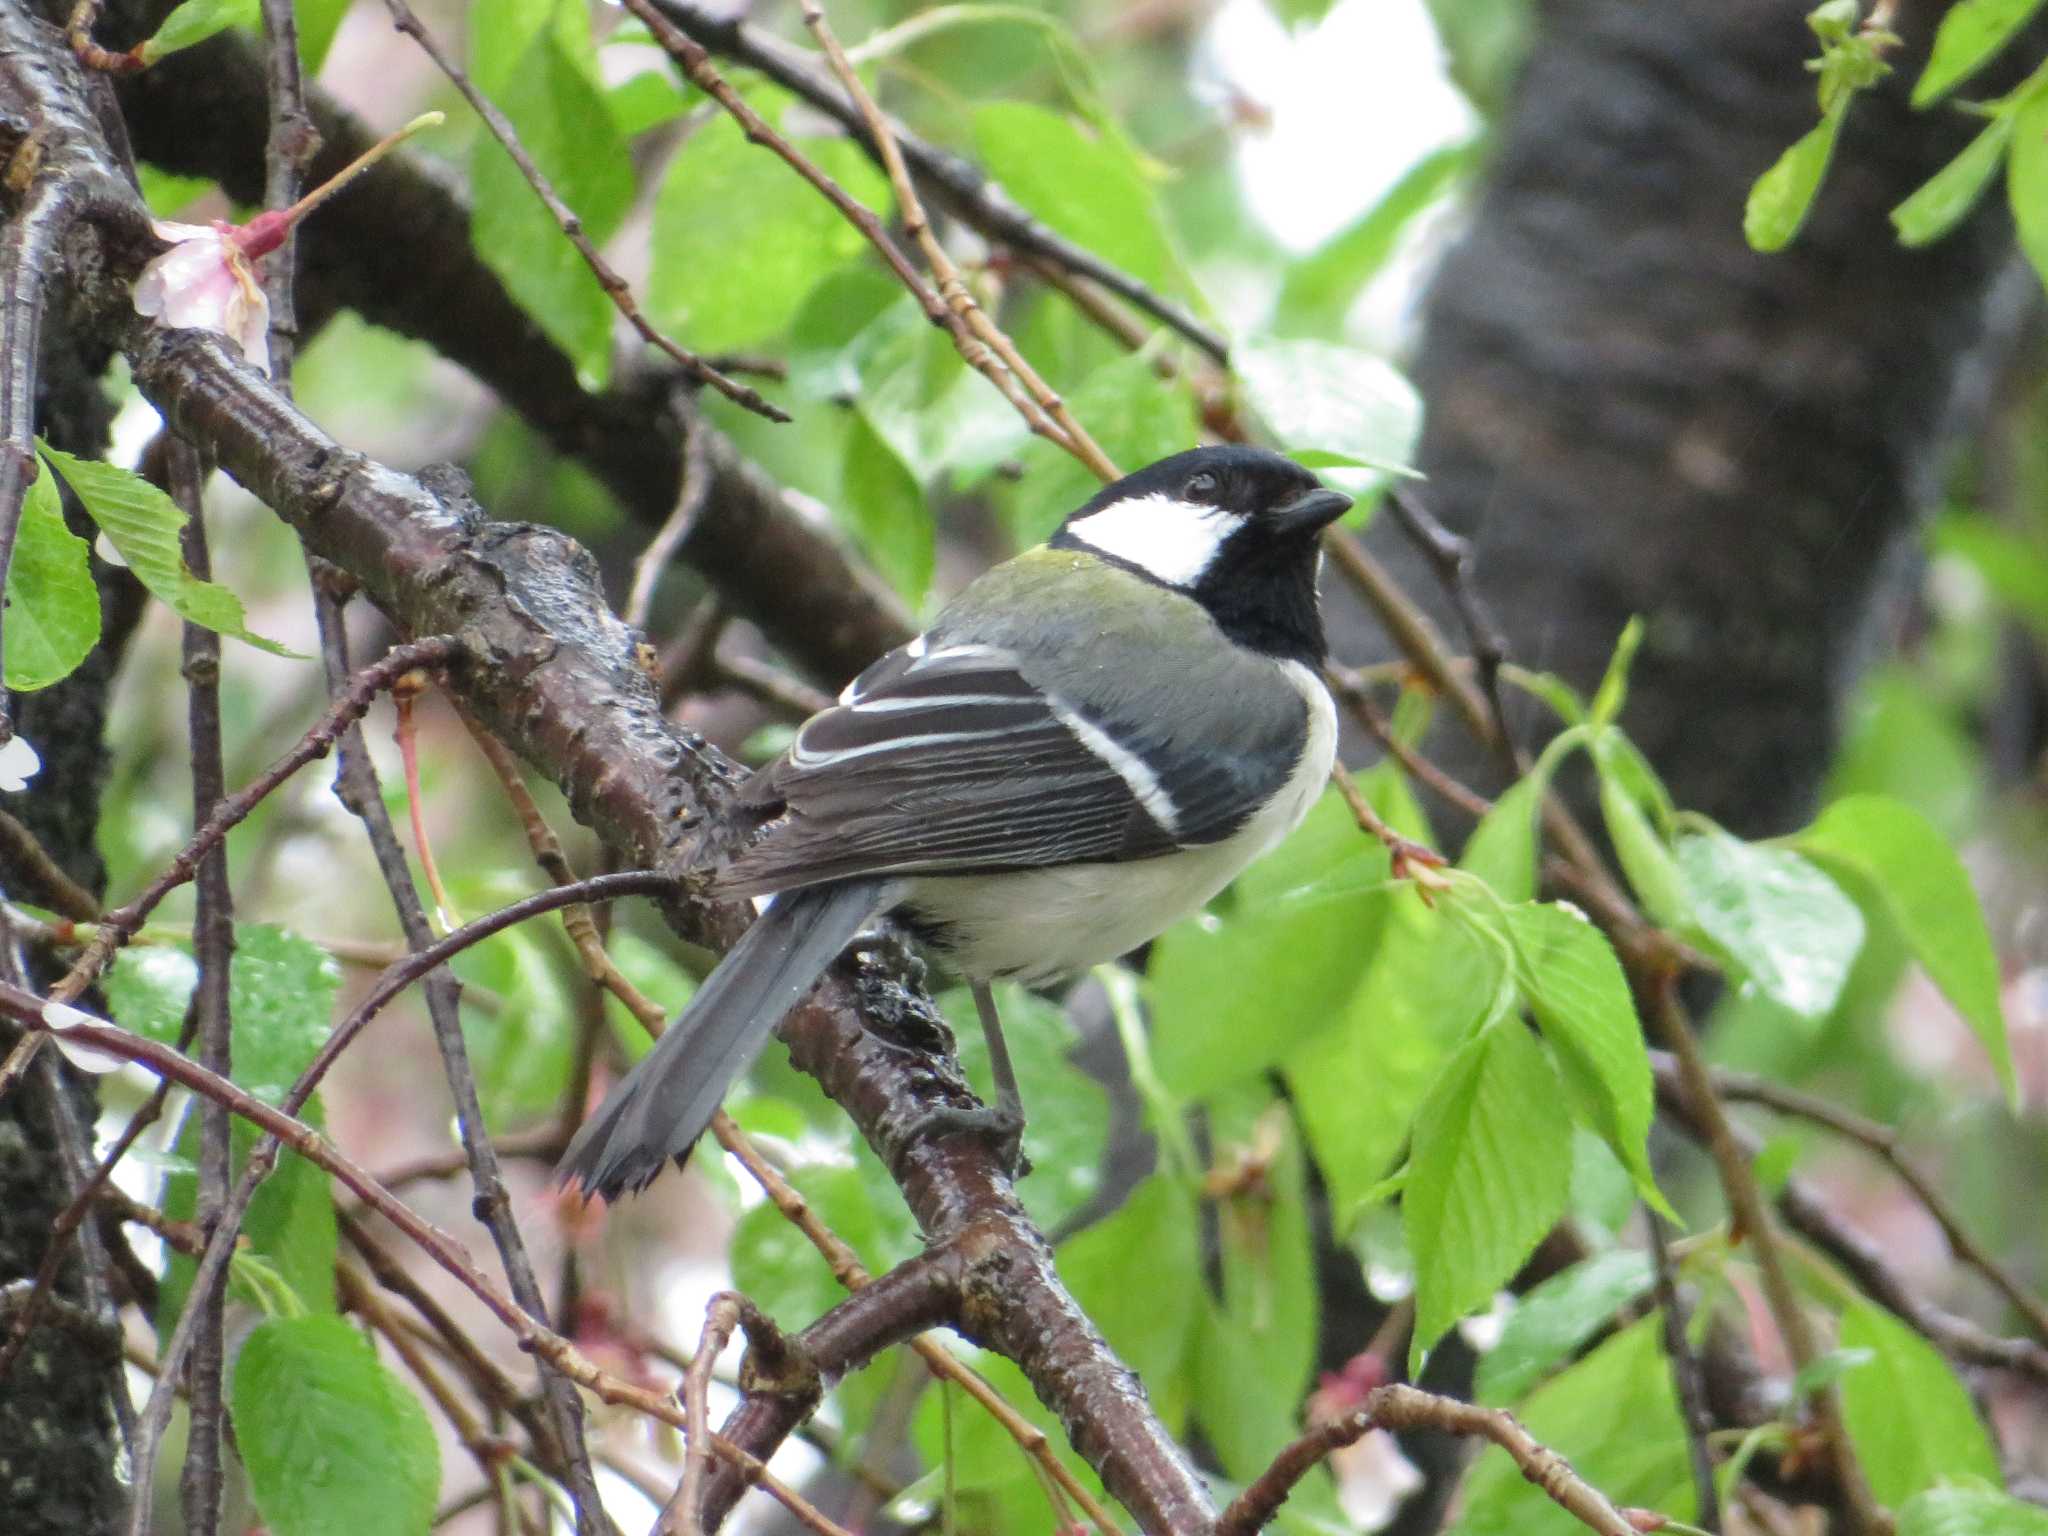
(1089,742)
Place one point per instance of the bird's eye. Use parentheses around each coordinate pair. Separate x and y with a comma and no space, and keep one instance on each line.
(1201,487)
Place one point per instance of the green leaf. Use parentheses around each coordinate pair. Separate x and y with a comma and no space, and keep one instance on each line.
(2011,562)
(1779,202)
(1971,33)
(1502,848)
(1909,1418)
(1288,962)
(281,991)
(568,133)
(1773,916)
(1612,694)
(149,989)
(1486,41)
(1130,416)
(1331,404)
(143,524)
(935,412)
(1895,851)
(1575,987)
(1489,1171)
(53,608)
(1556,1319)
(1258,1341)
(1614,1416)
(2026,180)
(169,195)
(887,513)
(1971,1512)
(197,20)
(1087,185)
(1645,859)
(1951,192)
(1357,1085)
(740,239)
(335,1445)
(1825,1370)
(1320,288)
(524,1049)
(318,21)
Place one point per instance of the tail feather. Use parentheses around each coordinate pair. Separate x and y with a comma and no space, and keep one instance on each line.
(666,1101)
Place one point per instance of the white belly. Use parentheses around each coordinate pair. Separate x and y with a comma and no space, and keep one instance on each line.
(1037,924)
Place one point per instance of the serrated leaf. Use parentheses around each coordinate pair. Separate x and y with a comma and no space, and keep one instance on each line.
(1909,1418)
(1783,195)
(568,133)
(143,524)
(2026,183)
(1288,961)
(197,20)
(1356,1086)
(1331,404)
(1556,1319)
(53,608)
(334,1444)
(1574,985)
(1971,1512)
(740,239)
(1488,1176)
(1971,34)
(1951,192)
(1614,1417)
(1773,915)
(1085,184)
(1911,869)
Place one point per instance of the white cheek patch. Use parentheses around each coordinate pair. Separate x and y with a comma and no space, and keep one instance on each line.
(1173,541)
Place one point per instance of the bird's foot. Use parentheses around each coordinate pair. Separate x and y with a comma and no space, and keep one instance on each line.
(1001,1128)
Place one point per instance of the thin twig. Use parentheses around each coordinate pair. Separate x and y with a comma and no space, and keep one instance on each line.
(1752,1220)
(213,945)
(616,288)
(289,149)
(1451,556)
(19,848)
(720,1319)
(944,272)
(769,684)
(349,705)
(1686,1377)
(1411,860)
(1885,1143)
(281,1127)
(963,186)
(696,64)
(1398,1407)
(654,559)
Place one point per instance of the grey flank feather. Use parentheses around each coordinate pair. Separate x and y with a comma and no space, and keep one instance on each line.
(665,1103)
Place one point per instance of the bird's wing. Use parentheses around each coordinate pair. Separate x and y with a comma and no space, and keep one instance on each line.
(952,760)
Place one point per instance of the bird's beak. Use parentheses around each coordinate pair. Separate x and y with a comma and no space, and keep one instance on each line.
(1312,511)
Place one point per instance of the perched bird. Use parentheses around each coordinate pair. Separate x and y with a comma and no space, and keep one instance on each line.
(1088,744)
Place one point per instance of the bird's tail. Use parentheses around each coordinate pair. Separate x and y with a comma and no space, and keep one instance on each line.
(666,1101)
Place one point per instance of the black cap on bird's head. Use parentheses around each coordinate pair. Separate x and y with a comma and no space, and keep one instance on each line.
(1235,528)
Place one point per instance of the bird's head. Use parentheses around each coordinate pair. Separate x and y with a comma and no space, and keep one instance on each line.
(1235,528)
